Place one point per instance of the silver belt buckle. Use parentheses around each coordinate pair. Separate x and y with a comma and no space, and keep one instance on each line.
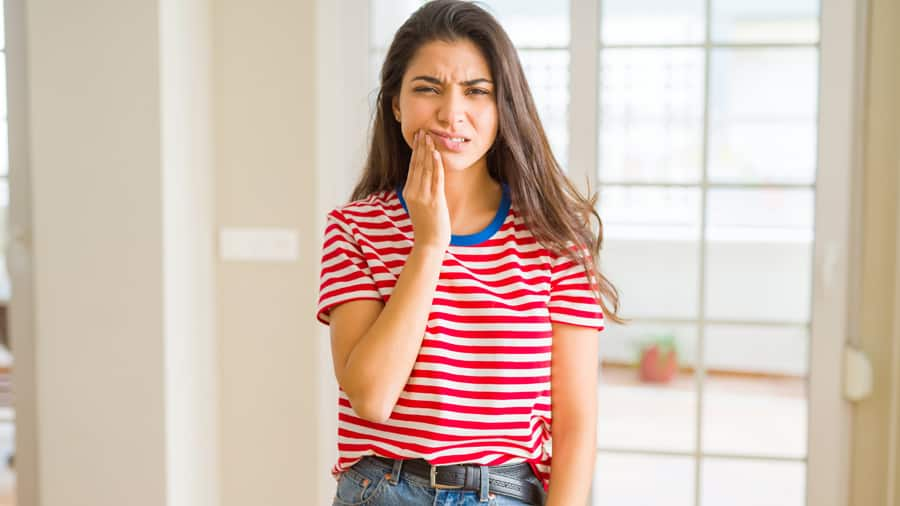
(433,477)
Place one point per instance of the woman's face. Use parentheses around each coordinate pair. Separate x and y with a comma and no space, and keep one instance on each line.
(448,91)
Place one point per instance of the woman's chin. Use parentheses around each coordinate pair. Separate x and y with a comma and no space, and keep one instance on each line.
(453,165)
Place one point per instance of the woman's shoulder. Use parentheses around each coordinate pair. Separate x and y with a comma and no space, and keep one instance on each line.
(378,203)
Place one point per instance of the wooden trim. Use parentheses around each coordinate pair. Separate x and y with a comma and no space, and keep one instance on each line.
(722,373)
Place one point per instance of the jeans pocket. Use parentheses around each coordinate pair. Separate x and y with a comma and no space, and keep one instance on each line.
(354,489)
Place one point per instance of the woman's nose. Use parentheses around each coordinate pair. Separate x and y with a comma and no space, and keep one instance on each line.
(453,109)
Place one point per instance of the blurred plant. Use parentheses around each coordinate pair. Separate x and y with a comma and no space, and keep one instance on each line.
(658,358)
(663,341)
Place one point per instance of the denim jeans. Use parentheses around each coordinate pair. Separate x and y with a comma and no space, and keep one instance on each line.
(374,483)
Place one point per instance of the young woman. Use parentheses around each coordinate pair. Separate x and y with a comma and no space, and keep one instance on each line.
(461,286)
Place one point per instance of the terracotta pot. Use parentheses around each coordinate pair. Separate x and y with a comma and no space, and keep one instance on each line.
(657,367)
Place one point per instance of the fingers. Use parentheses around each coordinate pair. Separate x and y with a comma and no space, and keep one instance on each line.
(420,160)
(437,180)
(426,170)
(411,174)
(427,166)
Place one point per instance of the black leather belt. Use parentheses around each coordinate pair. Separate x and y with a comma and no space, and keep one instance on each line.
(508,480)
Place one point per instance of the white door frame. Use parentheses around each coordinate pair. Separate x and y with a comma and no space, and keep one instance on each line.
(841,84)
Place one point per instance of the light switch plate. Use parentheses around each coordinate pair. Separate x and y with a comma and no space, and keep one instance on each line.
(259,244)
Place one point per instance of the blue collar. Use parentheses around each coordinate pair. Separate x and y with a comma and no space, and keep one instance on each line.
(478,237)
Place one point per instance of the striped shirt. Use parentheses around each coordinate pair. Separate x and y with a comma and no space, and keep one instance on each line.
(479,391)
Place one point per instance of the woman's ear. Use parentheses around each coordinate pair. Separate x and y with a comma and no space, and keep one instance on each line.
(395,106)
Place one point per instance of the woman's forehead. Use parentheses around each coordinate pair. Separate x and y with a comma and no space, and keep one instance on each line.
(449,62)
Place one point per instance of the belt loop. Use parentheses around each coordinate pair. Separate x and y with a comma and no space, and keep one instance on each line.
(395,472)
(485,476)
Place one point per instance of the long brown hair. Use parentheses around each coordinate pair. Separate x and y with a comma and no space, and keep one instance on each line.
(551,206)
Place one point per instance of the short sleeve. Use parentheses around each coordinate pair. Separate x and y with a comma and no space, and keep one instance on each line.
(571,299)
(345,275)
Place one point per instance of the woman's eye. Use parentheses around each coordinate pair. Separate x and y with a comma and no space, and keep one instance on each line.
(425,89)
(479,91)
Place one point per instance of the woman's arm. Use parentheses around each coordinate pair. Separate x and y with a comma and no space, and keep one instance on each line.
(573,384)
(374,349)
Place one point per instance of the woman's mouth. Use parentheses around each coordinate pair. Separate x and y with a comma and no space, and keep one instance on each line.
(454,144)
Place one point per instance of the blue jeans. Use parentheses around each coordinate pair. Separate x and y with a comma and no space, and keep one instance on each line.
(374,483)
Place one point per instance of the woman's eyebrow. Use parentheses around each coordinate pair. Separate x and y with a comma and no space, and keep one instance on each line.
(435,80)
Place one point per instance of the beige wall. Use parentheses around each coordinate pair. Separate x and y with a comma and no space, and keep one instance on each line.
(265,151)
(872,430)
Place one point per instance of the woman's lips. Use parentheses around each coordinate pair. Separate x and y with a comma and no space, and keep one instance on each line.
(450,145)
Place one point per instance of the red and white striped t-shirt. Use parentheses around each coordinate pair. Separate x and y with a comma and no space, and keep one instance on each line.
(480,388)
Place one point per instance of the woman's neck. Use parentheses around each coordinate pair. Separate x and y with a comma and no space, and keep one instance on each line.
(472,197)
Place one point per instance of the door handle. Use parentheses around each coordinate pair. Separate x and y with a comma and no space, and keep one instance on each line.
(858,376)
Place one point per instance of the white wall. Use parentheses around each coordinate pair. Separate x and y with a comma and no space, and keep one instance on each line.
(191,345)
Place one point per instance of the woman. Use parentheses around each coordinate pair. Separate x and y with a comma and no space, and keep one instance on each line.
(459,279)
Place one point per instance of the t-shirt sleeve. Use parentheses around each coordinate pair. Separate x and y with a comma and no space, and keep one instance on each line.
(571,299)
(345,275)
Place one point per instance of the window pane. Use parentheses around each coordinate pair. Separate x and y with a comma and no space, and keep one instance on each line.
(736,21)
(763,115)
(749,483)
(651,126)
(386,18)
(547,72)
(759,255)
(754,397)
(652,21)
(634,412)
(532,23)
(644,480)
(651,247)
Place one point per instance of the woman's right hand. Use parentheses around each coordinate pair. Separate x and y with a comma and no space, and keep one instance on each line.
(424,194)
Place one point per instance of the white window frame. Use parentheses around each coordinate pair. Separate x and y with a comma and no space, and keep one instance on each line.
(840,57)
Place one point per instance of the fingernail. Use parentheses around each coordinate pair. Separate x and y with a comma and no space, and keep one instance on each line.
(416,136)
